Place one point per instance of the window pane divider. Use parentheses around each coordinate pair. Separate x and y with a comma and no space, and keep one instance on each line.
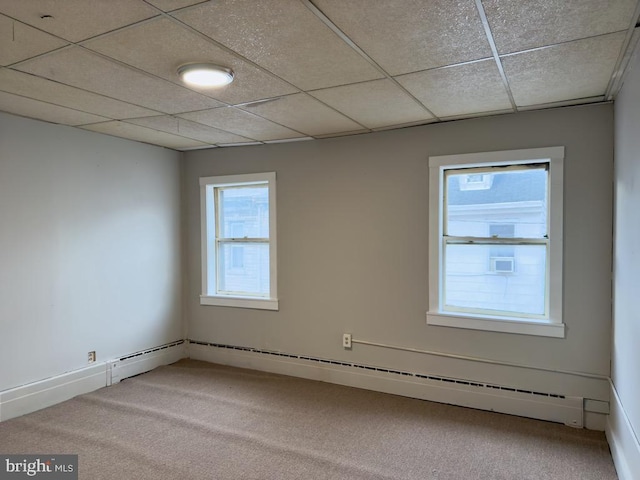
(450,240)
(242,240)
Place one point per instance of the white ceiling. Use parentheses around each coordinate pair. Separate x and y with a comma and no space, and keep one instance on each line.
(304,68)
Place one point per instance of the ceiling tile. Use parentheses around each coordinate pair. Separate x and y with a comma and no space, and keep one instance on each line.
(521,24)
(304,114)
(576,69)
(186,128)
(460,90)
(284,37)
(44,111)
(169,5)
(243,123)
(20,41)
(78,67)
(374,104)
(405,36)
(162,45)
(77,20)
(143,134)
(46,90)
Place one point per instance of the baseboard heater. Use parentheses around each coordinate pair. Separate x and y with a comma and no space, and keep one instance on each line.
(486,396)
(143,361)
(50,391)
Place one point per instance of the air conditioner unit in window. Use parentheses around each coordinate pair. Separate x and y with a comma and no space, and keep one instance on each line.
(502,264)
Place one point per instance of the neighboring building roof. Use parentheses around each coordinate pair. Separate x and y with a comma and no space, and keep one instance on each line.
(505,188)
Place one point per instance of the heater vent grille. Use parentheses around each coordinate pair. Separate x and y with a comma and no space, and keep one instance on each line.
(379,369)
(152,350)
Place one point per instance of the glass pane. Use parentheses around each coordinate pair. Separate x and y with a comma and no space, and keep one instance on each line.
(244,212)
(481,278)
(243,268)
(504,204)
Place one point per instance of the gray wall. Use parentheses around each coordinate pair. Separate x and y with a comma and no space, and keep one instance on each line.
(352,251)
(89,248)
(626,339)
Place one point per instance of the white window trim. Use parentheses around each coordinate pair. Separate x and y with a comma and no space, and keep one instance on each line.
(551,327)
(207,223)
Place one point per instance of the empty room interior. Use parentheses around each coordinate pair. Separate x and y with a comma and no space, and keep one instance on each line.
(398,239)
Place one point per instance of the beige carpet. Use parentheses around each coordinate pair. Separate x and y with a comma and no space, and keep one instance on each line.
(194,420)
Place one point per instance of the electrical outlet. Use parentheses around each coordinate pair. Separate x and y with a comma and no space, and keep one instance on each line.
(346,340)
(91,356)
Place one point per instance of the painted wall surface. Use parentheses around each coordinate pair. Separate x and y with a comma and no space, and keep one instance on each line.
(626,326)
(352,250)
(89,248)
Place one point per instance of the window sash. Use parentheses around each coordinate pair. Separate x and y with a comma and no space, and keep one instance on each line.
(445,307)
(220,240)
(474,170)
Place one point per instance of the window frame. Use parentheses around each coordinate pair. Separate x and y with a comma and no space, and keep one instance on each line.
(209,218)
(552,325)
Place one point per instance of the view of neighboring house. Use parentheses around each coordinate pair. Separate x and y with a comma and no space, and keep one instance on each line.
(496,231)
(243,233)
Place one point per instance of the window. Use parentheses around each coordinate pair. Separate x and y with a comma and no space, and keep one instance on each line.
(495,241)
(238,221)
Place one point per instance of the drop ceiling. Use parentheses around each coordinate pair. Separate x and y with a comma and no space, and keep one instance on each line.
(304,68)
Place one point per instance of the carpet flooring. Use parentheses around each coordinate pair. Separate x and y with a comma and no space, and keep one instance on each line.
(195,420)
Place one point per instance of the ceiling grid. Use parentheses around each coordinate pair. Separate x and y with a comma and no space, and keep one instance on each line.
(304,68)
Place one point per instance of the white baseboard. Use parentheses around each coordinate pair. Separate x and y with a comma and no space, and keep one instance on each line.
(45,393)
(568,410)
(50,391)
(623,442)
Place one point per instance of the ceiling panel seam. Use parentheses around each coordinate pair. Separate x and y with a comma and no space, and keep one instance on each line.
(58,105)
(263,118)
(177,117)
(205,144)
(563,103)
(176,10)
(445,67)
(614,82)
(187,7)
(237,107)
(182,135)
(107,97)
(345,38)
(315,99)
(494,50)
(623,70)
(44,54)
(558,44)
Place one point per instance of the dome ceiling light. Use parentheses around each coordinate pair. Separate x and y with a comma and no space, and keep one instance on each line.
(205,75)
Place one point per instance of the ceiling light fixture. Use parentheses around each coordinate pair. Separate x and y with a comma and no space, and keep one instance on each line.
(205,75)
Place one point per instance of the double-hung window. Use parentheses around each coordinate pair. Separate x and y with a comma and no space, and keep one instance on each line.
(238,222)
(495,241)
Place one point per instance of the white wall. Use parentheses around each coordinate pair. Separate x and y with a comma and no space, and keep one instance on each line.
(89,248)
(352,250)
(626,327)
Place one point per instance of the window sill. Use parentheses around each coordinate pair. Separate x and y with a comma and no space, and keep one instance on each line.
(492,324)
(240,302)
